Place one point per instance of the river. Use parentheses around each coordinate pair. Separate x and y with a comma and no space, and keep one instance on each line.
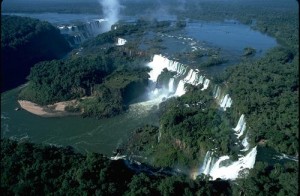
(83,134)
(104,136)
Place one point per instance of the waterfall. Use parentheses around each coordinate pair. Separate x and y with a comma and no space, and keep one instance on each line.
(121,42)
(200,80)
(171,85)
(228,103)
(245,143)
(191,77)
(207,163)
(284,156)
(240,124)
(223,101)
(232,170)
(242,130)
(157,65)
(160,62)
(218,93)
(83,31)
(180,89)
(188,77)
(212,166)
(205,85)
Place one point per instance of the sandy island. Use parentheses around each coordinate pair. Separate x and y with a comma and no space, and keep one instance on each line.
(54,110)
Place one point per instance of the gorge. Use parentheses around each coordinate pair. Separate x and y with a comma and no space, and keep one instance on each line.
(168,103)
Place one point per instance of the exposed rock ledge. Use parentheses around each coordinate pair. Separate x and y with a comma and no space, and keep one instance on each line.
(54,110)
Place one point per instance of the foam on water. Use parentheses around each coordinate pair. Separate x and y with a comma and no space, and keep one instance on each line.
(231,172)
(171,85)
(121,42)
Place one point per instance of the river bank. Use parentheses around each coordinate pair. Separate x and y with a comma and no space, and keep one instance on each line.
(54,110)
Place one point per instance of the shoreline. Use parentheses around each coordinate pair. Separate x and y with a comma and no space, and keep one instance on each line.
(53,110)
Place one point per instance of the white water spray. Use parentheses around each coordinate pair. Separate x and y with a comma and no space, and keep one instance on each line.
(171,85)
(232,171)
(241,126)
(206,83)
(121,42)
(111,10)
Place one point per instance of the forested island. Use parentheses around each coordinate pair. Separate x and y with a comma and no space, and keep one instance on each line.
(104,79)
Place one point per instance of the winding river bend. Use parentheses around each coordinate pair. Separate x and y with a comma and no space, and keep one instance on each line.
(104,136)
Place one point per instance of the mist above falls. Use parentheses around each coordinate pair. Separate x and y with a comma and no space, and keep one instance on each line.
(111,11)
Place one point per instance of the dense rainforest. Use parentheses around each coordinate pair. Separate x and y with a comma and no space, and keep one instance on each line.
(36,170)
(24,42)
(109,78)
(266,90)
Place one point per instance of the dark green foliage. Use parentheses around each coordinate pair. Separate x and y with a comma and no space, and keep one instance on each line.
(189,127)
(62,80)
(32,169)
(111,36)
(109,79)
(118,90)
(213,60)
(141,142)
(24,42)
(267,92)
(269,180)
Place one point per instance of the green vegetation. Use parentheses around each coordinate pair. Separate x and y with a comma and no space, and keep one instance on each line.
(103,77)
(267,92)
(24,42)
(189,126)
(61,80)
(39,170)
(111,97)
(264,179)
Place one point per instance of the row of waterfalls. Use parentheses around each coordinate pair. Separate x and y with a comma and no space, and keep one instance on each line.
(184,75)
(217,167)
(78,33)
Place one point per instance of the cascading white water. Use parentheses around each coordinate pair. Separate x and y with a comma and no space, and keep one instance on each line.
(241,126)
(245,143)
(209,166)
(206,83)
(207,163)
(217,92)
(201,79)
(188,77)
(193,79)
(284,156)
(242,130)
(223,101)
(83,31)
(160,62)
(232,170)
(171,85)
(180,89)
(121,42)
(228,103)
(157,65)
